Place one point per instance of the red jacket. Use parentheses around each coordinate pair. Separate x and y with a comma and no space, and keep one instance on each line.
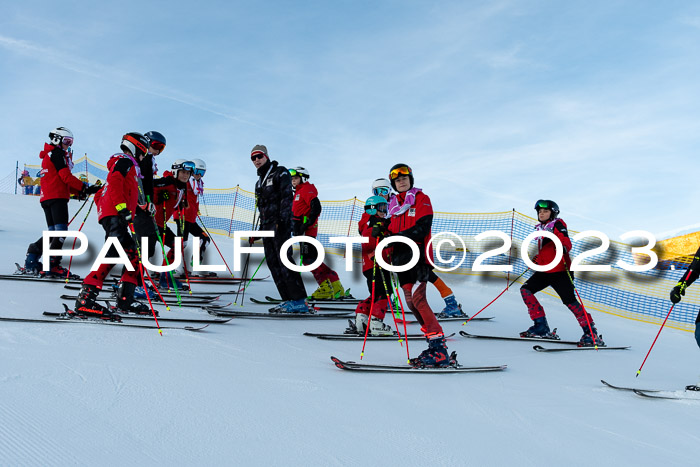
(57,182)
(406,224)
(192,209)
(368,249)
(166,208)
(301,207)
(121,186)
(547,249)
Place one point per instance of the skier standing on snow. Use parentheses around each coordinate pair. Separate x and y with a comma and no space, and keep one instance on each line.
(170,193)
(688,278)
(187,224)
(57,185)
(306,210)
(558,277)
(275,196)
(143,217)
(375,212)
(413,219)
(382,187)
(116,202)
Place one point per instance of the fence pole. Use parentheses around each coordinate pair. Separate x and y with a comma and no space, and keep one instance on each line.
(16,175)
(354,200)
(233,210)
(510,250)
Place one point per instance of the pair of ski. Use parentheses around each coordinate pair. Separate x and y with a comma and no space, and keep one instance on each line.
(453,368)
(347,299)
(539,348)
(172,294)
(63,318)
(184,300)
(241,313)
(690,393)
(213,280)
(370,337)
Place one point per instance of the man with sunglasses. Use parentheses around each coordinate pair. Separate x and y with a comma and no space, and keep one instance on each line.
(382,187)
(306,210)
(275,196)
(57,185)
(143,217)
(412,217)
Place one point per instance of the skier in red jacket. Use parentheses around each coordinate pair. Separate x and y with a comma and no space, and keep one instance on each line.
(116,203)
(187,220)
(413,218)
(558,277)
(306,210)
(57,185)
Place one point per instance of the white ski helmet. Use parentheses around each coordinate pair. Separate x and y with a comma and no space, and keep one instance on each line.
(381,183)
(199,167)
(182,164)
(300,172)
(57,134)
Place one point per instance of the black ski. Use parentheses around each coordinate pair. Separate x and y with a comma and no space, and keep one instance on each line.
(97,321)
(160,318)
(668,395)
(165,294)
(254,315)
(622,388)
(539,348)
(19,277)
(347,299)
(352,366)
(526,339)
(359,337)
(184,301)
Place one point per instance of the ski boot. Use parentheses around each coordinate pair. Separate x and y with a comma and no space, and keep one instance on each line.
(126,302)
(32,266)
(452,308)
(540,329)
(352,328)
(296,306)
(338,290)
(165,282)
(588,340)
(86,305)
(435,356)
(324,291)
(59,271)
(377,327)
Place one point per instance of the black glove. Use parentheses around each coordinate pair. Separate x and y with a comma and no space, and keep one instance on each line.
(58,151)
(298,228)
(162,197)
(380,230)
(677,291)
(92,189)
(124,214)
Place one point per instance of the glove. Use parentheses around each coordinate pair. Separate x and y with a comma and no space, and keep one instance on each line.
(380,230)
(251,240)
(123,212)
(149,208)
(83,194)
(298,228)
(92,189)
(677,291)
(163,196)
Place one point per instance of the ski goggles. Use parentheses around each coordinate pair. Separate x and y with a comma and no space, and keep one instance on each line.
(67,140)
(543,204)
(372,209)
(158,145)
(189,166)
(382,190)
(200,172)
(294,173)
(396,173)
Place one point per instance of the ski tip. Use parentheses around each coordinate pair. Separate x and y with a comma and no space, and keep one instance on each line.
(538,348)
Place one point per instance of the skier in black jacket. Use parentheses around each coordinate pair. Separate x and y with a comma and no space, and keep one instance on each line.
(688,278)
(274,195)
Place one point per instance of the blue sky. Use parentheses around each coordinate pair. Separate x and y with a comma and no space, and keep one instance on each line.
(493,103)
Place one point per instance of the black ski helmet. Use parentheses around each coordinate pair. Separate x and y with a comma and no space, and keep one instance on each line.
(135,143)
(394,175)
(548,204)
(157,138)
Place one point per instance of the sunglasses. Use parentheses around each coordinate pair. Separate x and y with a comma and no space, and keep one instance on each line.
(382,190)
(255,157)
(200,172)
(67,140)
(157,145)
(396,173)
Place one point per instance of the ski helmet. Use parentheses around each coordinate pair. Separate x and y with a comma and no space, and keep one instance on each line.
(381,186)
(200,167)
(374,204)
(61,135)
(398,170)
(182,164)
(300,172)
(135,143)
(157,140)
(548,204)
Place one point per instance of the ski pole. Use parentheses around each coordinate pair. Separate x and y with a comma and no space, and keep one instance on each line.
(79,209)
(165,257)
(394,285)
(141,268)
(371,305)
(215,245)
(389,300)
(182,225)
(585,313)
(497,297)
(76,238)
(662,326)
(244,273)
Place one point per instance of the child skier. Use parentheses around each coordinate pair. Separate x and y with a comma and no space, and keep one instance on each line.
(558,277)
